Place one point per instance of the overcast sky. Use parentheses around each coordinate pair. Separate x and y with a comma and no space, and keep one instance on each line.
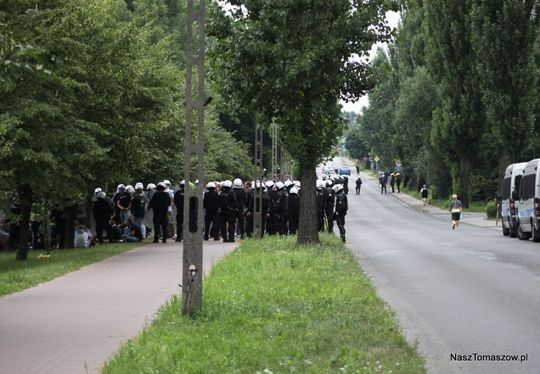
(393,20)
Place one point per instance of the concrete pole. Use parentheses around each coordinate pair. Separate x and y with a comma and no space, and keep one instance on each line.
(193,150)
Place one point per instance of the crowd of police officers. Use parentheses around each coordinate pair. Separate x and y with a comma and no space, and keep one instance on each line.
(228,208)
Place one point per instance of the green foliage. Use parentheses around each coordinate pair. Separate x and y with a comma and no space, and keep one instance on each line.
(273,306)
(491,209)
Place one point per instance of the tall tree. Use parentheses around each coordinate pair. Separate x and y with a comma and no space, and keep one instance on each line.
(289,61)
(504,34)
(458,123)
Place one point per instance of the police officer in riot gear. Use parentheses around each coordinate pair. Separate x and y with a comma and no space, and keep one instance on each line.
(211,207)
(341,209)
(329,209)
(160,205)
(321,197)
(226,208)
(179,204)
(238,196)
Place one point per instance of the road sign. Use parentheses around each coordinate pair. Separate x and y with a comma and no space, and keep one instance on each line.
(376,158)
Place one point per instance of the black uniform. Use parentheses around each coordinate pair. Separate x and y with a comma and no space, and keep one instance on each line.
(358,185)
(322,196)
(226,214)
(211,207)
(179,203)
(283,211)
(273,219)
(341,211)
(102,211)
(238,197)
(346,185)
(294,212)
(160,203)
(329,209)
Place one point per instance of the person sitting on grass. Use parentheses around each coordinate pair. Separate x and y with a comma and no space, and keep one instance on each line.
(82,238)
(133,232)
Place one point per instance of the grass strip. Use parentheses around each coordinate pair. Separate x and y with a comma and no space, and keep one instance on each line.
(274,307)
(16,276)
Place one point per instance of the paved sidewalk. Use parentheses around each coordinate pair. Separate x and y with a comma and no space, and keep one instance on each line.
(469,218)
(72,324)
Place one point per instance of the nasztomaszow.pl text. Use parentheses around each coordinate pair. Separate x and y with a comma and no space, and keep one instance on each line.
(488,358)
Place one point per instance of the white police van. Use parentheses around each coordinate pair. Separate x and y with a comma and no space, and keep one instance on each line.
(529,203)
(510,198)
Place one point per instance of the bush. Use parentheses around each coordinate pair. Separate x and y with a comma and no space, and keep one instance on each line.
(491,208)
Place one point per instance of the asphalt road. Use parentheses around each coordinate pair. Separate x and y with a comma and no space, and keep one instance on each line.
(464,292)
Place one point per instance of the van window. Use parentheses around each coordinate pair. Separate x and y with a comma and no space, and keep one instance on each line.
(505,189)
(527,186)
(517,186)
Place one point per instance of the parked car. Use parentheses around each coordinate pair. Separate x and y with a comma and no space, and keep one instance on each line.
(510,198)
(529,202)
(344,171)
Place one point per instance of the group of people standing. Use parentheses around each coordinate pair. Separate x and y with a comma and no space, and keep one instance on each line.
(332,204)
(228,209)
(394,178)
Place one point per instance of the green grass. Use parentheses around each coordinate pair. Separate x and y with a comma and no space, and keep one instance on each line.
(19,275)
(274,307)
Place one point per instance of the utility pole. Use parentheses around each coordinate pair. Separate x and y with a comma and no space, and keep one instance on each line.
(257,192)
(193,150)
(275,164)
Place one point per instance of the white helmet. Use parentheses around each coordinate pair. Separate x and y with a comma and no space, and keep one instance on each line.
(167,183)
(320,183)
(297,184)
(161,185)
(269,184)
(211,185)
(150,186)
(182,182)
(97,190)
(337,187)
(227,184)
(139,186)
(101,195)
(237,183)
(280,185)
(288,183)
(121,188)
(329,183)
(130,189)
(294,190)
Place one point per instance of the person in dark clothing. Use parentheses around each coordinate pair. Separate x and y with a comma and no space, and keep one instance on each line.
(321,199)
(211,207)
(272,220)
(341,209)
(294,210)
(160,203)
(424,194)
(238,196)
(382,181)
(138,206)
(226,212)
(329,209)
(393,182)
(179,203)
(282,210)
(102,211)
(120,190)
(358,185)
(133,232)
(346,184)
(398,181)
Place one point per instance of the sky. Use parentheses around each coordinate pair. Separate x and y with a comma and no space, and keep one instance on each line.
(393,20)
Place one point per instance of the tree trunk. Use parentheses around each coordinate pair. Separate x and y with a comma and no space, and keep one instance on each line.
(25,201)
(307,225)
(69,237)
(465,166)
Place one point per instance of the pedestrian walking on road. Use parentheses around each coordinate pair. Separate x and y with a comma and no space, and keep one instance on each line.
(455,211)
(382,181)
(424,194)
(358,185)
(397,177)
